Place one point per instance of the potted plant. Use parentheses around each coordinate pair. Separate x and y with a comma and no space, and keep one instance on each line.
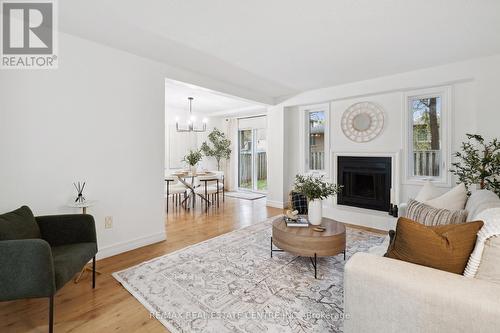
(315,188)
(478,163)
(193,158)
(219,147)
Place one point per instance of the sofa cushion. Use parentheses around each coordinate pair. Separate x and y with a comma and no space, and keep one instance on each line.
(454,199)
(70,259)
(489,268)
(430,216)
(480,201)
(18,224)
(445,247)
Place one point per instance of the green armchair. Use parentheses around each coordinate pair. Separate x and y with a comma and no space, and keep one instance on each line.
(39,255)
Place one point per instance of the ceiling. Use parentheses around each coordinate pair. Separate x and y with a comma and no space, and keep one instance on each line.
(206,102)
(282,47)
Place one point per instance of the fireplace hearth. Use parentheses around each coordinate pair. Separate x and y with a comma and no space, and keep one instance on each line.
(366,181)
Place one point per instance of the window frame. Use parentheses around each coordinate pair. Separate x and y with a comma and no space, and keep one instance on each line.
(445,93)
(304,138)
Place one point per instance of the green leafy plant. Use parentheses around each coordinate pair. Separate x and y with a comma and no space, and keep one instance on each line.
(478,163)
(219,147)
(314,187)
(193,157)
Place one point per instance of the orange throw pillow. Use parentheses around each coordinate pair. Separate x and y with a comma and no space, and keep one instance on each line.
(444,247)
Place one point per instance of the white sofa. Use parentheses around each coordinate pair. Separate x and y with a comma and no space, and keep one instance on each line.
(387,295)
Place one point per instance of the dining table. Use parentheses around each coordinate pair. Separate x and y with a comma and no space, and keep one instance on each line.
(187,178)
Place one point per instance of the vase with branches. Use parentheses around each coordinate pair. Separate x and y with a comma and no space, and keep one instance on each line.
(192,158)
(218,146)
(315,188)
(478,163)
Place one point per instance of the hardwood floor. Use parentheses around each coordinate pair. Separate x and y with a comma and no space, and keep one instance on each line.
(110,307)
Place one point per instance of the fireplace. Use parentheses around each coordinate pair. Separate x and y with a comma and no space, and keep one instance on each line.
(366,181)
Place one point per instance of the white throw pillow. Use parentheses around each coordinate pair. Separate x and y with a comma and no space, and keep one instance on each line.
(428,192)
(489,268)
(491,219)
(454,199)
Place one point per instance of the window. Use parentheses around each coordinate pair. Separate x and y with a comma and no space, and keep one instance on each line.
(315,147)
(317,140)
(427,141)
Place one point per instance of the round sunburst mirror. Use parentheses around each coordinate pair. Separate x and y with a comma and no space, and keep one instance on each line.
(363,122)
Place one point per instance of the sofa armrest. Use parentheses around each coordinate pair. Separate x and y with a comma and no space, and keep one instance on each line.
(388,295)
(67,229)
(402,209)
(26,269)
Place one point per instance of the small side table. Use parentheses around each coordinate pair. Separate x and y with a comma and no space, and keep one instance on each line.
(83,206)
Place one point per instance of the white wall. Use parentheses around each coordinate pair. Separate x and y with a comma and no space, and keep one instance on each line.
(98,118)
(276,157)
(475,89)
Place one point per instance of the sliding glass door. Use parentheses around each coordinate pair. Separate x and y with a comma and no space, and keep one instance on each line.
(252,159)
(245,159)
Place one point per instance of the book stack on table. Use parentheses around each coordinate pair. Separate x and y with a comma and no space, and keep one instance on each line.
(300,222)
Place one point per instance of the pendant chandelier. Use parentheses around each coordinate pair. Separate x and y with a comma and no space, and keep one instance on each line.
(191,125)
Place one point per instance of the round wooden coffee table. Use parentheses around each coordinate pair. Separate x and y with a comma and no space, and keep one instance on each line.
(305,242)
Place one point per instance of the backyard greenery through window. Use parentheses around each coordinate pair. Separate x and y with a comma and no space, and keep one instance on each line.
(426,143)
(316,140)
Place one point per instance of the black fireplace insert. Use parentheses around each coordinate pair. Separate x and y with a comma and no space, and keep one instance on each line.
(366,181)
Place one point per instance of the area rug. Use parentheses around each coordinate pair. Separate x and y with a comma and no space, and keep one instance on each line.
(231,284)
(245,195)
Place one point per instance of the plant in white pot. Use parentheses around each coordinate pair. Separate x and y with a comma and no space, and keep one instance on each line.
(192,159)
(315,188)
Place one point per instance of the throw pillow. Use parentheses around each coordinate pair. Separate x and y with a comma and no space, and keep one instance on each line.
(491,219)
(19,224)
(489,268)
(454,199)
(299,202)
(444,247)
(429,191)
(430,216)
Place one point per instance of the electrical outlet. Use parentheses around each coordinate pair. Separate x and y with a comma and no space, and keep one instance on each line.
(108,222)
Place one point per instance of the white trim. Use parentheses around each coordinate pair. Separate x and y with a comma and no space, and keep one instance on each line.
(446,129)
(275,204)
(395,170)
(303,138)
(117,248)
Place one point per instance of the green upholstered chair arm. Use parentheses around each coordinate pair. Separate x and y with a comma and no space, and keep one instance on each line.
(26,269)
(67,229)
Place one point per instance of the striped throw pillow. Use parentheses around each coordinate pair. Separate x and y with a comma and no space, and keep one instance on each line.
(431,216)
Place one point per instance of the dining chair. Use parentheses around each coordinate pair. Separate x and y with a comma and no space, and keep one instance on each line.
(209,188)
(222,184)
(174,189)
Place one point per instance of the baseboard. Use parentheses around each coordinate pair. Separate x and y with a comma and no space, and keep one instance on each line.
(275,204)
(114,249)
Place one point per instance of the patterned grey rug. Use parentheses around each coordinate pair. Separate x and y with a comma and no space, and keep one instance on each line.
(231,284)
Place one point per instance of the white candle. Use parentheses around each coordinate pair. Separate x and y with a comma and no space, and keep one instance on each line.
(392,195)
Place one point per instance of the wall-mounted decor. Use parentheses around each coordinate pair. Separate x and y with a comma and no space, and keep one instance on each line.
(363,122)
